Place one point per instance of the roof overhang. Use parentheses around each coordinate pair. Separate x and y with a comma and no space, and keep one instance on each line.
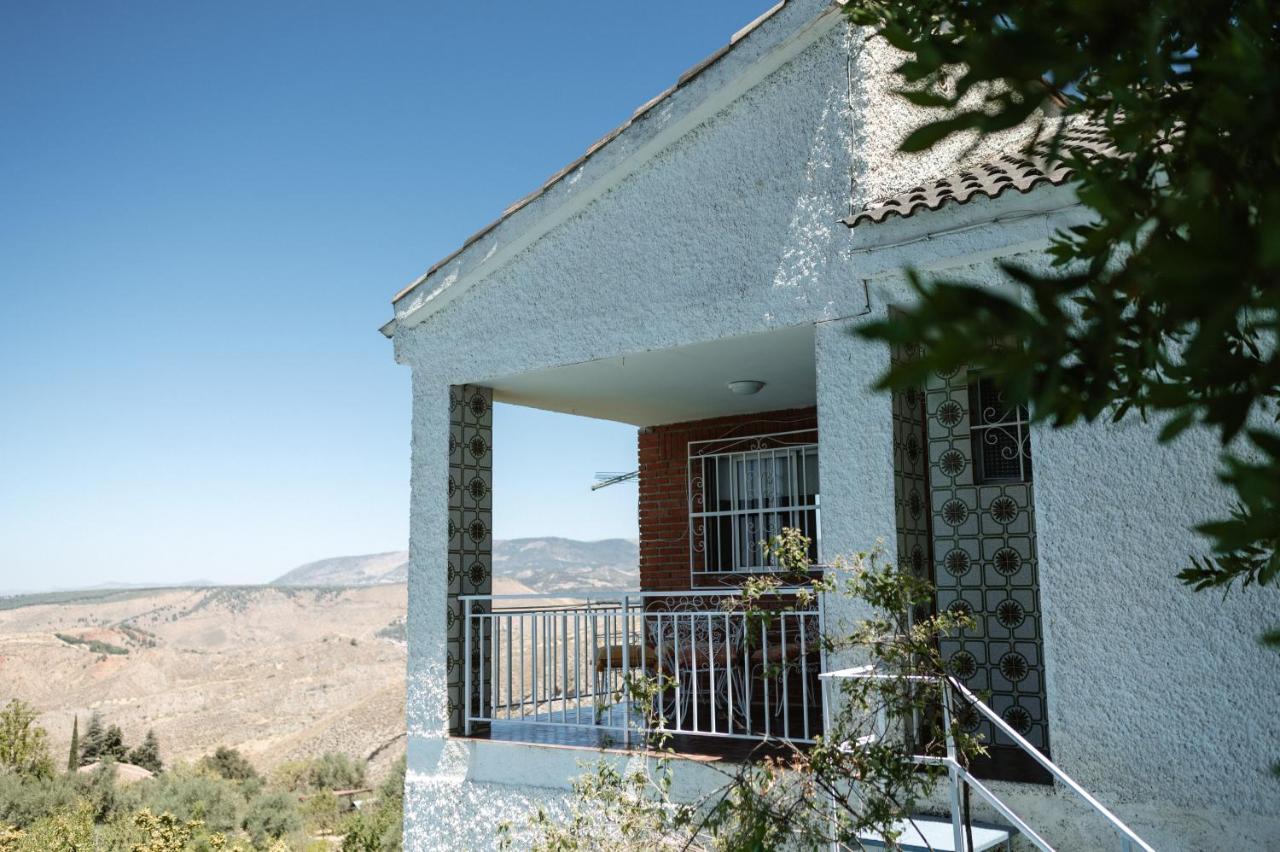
(678,384)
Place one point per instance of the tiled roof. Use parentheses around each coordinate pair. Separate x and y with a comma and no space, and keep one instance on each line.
(1019,172)
(604,140)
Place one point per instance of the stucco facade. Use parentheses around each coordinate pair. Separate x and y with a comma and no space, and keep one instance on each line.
(1158,700)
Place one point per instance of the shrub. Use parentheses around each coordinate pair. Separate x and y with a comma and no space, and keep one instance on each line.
(271,816)
(195,795)
(24,747)
(329,771)
(319,813)
(23,801)
(228,763)
(68,830)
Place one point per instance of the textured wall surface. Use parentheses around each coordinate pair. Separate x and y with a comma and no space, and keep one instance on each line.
(1159,700)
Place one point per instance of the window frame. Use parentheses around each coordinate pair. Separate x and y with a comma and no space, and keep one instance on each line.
(704,460)
(987,420)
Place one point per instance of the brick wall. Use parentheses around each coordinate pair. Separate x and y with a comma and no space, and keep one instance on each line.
(664,488)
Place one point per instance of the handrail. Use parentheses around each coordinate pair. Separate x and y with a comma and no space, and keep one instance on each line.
(539,659)
(612,596)
(1129,838)
(1053,768)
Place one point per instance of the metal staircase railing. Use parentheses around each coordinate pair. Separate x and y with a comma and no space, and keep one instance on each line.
(957,774)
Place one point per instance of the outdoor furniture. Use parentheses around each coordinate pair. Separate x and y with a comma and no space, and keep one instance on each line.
(701,651)
(779,653)
(611,660)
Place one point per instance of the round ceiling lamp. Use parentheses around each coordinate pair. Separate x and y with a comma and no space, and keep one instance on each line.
(746,387)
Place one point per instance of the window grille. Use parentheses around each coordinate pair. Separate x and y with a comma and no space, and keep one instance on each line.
(1001,436)
(742,491)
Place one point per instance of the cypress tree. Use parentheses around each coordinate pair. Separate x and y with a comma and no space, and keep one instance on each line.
(73,759)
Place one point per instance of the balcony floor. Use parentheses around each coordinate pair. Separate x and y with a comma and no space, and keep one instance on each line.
(576,729)
(685,745)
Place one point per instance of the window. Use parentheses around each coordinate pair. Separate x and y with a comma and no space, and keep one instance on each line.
(1000,434)
(743,491)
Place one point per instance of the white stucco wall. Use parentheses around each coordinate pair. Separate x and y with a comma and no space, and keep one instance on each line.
(1157,697)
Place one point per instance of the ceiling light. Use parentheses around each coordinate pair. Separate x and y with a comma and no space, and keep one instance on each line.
(746,387)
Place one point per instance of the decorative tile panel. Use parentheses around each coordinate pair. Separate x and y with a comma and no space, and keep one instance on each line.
(470,553)
(985,564)
(910,476)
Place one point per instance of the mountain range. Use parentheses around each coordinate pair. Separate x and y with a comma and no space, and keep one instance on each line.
(545,565)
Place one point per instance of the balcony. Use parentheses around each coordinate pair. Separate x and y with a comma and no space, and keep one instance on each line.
(557,670)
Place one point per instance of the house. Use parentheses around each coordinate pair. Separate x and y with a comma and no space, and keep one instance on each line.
(697,273)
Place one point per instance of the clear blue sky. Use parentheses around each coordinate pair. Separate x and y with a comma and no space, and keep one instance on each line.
(204,211)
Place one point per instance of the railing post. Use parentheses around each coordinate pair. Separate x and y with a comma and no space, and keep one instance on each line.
(626,669)
(466,667)
(957,823)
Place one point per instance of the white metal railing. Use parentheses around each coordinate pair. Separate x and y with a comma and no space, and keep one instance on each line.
(544,660)
(957,774)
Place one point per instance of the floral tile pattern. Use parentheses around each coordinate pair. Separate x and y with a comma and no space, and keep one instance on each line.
(470,555)
(984,545)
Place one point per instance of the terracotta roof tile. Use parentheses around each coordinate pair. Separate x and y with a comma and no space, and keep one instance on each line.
(1020,172)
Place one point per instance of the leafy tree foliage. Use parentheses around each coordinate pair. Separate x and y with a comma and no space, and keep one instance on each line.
(24,747)
(380,828)
(113,747)
(1167,304)
(186,808)
(147,754)
(230,764)
(94,734)
(271,816)
(329,771)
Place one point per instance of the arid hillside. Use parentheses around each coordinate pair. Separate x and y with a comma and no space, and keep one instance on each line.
(278,673)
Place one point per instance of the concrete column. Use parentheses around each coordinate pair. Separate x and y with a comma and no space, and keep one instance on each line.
(855,454)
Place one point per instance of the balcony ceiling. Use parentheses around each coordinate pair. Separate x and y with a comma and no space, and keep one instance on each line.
(672,385)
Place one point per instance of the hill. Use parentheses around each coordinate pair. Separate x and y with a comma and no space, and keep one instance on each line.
(370,569)
(312,663)
(545,564)
(562,564)
(280,673)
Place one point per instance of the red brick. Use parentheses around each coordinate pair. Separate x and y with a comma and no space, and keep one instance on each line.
(664,487)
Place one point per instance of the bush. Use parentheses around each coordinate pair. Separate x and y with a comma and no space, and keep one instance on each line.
(23,801)
(270,816)
(319,813)
(67,830)
(24,747)
(228,763)
(194,795)
(379,828)
(329,771)
(334,771)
